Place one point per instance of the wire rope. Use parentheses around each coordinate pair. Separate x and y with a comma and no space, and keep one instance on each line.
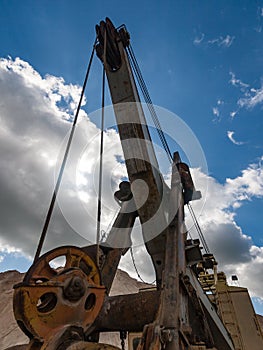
(198,228)
(101,149)
(136,69)
(136,269)
(63,164)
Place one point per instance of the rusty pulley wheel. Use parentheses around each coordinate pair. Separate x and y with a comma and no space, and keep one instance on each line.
(50,298)
(91,346)
(45,267)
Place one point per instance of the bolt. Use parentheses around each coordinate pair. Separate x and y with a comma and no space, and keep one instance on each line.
(75,289)
(77,282)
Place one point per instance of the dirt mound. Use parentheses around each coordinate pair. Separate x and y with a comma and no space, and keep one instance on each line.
(10,333)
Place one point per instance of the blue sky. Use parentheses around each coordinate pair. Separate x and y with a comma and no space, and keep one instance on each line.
(183,74)
(202,60)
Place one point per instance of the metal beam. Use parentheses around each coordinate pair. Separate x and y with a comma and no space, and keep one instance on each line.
(129,312)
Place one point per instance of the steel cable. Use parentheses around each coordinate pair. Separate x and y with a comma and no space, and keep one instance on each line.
(101,149)
(136,269)
(63,164)
(198,228)
(151,108)
(136,69)
(135,66)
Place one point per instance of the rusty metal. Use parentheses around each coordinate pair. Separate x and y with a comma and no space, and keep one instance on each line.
(189,192)
(19,347)
(139,156)
(165,330)
(118,240)
(113,57)
(151,338)
(128,312)
(75,289)
(124,193)
(91,346)
(49,299)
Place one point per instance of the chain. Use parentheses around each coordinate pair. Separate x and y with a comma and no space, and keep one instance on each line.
(123,336)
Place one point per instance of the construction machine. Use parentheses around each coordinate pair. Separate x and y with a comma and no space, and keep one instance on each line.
(191,305)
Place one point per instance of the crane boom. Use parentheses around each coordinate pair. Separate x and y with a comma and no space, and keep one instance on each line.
(148,187)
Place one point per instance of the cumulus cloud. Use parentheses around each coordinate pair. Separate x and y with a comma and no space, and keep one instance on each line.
(216,211)
(251,274)
(233,248)
(35,119)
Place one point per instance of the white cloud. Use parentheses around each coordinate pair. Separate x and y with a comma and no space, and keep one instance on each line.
(216,213)
(259,300)
(216,114)
(222,41)
(237,82)
(233,248)
(258,27)
(230,135)
(1,258)
(34,114)
(251,274)
(227,41)
(251,97)
(233,114)
(199,39)
(9,249)
(216,111)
